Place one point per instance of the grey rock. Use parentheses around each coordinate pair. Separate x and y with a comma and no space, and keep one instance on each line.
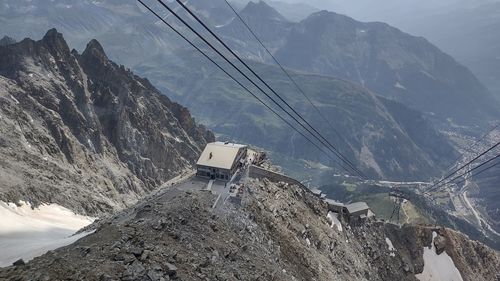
(134,271)
(440,244)
(19,262)
(171,269)
(145,255)
(155,275)
(136,251)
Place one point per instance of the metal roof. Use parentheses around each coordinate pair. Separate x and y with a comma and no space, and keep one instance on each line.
(316,191)
(219,155)
(333,202)
(356,207)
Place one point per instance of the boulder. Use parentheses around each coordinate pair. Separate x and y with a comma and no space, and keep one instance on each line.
(19,262)
(440,244)
(171,269)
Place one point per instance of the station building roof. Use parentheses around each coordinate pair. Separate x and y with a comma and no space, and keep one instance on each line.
(357,207)
(220,155)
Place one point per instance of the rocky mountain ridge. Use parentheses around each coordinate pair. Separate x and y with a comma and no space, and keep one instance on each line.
(277,232)
(6,40)
(84,132)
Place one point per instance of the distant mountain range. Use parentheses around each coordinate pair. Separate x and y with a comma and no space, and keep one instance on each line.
(464,29)
(470,34)
(381,59)
(385,138)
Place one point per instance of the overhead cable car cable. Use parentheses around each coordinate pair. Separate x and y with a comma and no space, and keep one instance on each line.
(240,84)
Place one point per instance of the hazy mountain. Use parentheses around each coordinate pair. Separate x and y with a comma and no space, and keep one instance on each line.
(6,40)
(464,29)
(376,133)
(391,63)
(291,11)
(470,35)
(84,132)
(381,58)
(265,21)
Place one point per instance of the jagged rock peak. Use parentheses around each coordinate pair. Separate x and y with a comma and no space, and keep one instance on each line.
(325,15)
(6,40)
(55,42)
(262,10)
(118,134)
(94,49)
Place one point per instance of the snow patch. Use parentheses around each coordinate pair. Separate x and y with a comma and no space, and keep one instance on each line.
(438,267)
(390,247)
(366,156)
(27,232)
(399,86)
(14,99)
(332,217)
(428,74)
(90,144)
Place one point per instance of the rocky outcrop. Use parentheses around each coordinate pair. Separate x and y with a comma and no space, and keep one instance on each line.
(269,25)
(6,40)
(279,232)
(84,132)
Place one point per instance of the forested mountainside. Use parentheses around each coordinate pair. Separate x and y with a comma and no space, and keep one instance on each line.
(368,129)
(84,132)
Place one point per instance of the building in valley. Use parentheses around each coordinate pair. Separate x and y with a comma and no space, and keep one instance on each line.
(221,160)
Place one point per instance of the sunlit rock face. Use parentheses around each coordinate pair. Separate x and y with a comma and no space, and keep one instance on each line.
(84,132)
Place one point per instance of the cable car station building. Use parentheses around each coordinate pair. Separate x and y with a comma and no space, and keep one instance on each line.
(221,160)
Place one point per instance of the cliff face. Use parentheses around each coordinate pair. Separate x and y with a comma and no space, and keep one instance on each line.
(83,132)
(277,232)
